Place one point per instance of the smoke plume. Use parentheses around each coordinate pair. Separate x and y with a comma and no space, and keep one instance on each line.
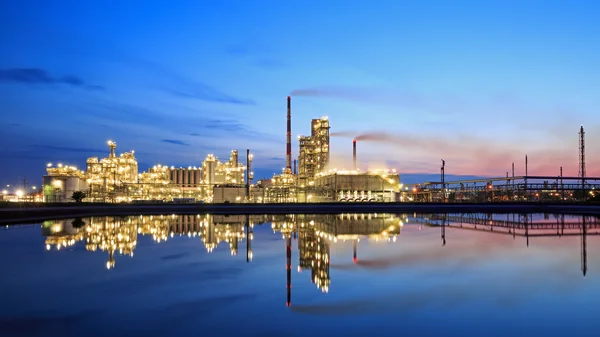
(369,95)
(342,134)
(474,155)
(404,140)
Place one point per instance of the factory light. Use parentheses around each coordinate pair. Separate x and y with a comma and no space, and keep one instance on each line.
(19,193)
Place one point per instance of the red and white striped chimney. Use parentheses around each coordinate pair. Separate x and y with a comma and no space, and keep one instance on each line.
(288,154)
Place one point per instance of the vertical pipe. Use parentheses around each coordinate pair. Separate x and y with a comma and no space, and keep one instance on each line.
(288,154)
(526,187)
(247,174)
(443,182)
(354,154)
(295,172)
(582,160)
(513,179)
(562,186)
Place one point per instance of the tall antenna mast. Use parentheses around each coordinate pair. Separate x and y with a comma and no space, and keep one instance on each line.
(582,157)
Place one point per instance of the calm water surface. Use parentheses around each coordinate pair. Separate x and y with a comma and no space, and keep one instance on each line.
(303,275)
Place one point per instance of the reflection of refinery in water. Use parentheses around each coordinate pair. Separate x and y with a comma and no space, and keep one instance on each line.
(116,178)
(313,234)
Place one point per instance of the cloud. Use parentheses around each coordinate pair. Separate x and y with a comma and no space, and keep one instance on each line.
(180,85)
(40,76)
(225,125)
(175,141)
(196,123)
(65,149)
(442,103)
(207,93)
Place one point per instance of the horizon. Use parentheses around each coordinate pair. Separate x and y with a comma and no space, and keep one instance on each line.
(480,85)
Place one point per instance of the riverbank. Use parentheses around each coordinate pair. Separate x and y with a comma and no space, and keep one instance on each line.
(36,213)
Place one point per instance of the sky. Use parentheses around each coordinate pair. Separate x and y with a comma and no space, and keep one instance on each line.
(478,84)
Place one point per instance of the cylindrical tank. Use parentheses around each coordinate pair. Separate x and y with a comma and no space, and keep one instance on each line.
(185,177)
(211,172)
(179,176)
(198,176)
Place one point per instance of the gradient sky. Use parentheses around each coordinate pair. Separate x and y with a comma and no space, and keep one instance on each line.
(479,84)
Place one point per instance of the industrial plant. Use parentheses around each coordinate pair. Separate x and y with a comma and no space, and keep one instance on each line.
(116,178)
(312,178)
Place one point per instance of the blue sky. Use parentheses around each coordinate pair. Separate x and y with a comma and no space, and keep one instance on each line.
(489,81)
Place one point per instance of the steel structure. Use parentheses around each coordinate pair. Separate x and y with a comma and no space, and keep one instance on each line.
(314,151)
(499,189)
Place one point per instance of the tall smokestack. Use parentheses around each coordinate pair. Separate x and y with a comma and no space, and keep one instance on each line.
(288,154)
(354,154)
(295,172)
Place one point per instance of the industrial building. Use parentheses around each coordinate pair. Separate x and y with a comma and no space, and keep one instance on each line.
(316,182)
(116,179)
(314,152)
(61,181)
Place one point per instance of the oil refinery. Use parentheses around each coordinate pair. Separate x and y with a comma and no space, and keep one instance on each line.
(116,178)
(307,179)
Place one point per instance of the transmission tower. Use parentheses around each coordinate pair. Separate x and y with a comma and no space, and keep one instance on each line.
(582,157)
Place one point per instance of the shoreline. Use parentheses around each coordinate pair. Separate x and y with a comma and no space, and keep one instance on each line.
(39,213)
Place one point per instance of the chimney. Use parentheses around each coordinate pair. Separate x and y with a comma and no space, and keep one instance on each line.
(295,172)
(354,154)
(288,154)
(112,145)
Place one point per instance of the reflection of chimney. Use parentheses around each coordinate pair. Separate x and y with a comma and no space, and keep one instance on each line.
(354,154)
(288,154)
(354,258)
(288,251)
(248,240)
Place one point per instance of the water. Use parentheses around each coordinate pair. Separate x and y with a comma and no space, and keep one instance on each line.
(481,275)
